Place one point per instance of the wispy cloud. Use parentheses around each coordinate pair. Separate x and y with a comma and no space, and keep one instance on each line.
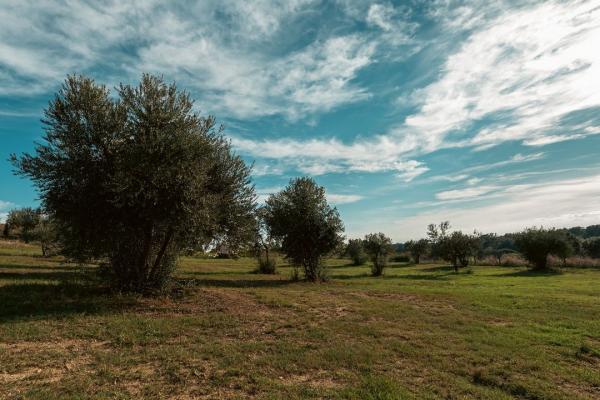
(343,198)
(317,156)
(464,193)
(548,204)
(534,65)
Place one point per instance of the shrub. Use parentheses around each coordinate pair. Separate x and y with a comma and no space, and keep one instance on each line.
(267,265)
(378,247)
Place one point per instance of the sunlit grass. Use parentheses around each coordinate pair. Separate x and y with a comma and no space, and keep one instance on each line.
(223,331)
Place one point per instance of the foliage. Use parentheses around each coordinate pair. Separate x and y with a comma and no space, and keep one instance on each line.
(46,233)
(24,219)
(137,178)
(592,247)
(417,248)
(537,244)
(264,244)
(455,247)
(355,250)
(306,225)
(378,247)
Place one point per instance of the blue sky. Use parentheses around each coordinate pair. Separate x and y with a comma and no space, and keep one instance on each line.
(484,113)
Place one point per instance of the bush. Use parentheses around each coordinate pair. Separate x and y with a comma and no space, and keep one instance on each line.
(512,260)
(267,265)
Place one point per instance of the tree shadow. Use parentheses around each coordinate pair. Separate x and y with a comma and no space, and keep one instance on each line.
(345,277)
(25,301)
(348,265)
(47,276)
(531,273)
(439,268)
(425,277)
(38,267)
(234,283)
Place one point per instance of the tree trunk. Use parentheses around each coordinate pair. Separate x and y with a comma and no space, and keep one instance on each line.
(162,251)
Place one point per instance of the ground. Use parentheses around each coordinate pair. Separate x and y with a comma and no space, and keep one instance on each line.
(420,331)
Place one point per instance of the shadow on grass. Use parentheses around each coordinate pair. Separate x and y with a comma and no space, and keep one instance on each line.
(46,276)
(24,301)
(448,268)
(48,267)
(531,273)
(348,265)
(356,276)
(426,277)
(234,283)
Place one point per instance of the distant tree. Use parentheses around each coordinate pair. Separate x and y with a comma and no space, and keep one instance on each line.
(355,250)
(46,233)
(455,247)
(417,248)
(537,244)
(25,219)
(592,231)
(437,234)
(379,247)
(308,228)
(592,247)
(137,178)
(264,244)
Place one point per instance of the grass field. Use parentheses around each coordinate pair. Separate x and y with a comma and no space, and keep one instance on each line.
(224,332)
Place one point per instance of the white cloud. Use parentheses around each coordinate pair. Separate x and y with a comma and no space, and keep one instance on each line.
(5,205)
(536,65)
(465,193)
(520,206)
(343,198)
(317,156)
(225,52)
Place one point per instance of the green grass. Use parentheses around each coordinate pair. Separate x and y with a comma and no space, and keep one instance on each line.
(223,332)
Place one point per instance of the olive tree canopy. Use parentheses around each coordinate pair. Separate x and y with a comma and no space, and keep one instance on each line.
(137,177)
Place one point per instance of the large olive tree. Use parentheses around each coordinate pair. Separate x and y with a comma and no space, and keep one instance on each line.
(137,177)
(306,225)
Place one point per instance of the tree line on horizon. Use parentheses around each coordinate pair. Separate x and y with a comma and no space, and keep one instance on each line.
(135,180)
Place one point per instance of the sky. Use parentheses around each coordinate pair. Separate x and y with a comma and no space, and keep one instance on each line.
(485,113)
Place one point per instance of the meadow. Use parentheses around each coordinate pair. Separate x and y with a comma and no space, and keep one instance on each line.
(419,331)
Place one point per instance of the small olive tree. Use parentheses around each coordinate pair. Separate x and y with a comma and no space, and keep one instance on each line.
(307,227)
(136,178)
(355,250)
(456,247)
(537,244)
(417,248)
(379,247)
